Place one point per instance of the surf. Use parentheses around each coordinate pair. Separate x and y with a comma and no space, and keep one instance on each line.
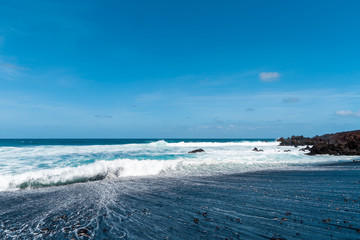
(38,166)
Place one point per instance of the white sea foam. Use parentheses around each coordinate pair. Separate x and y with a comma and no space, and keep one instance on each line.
(39,166)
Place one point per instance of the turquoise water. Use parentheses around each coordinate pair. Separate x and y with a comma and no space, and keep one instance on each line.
(154,189)
(32,163)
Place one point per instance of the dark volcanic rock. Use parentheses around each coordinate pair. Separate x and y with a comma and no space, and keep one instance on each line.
(343,143)
(307,148)
(197,150)
(295,141)
(257,150)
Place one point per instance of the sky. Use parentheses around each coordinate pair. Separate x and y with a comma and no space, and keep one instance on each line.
(178,69)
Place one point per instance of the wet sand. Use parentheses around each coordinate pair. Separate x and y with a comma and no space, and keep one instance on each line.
(313,204)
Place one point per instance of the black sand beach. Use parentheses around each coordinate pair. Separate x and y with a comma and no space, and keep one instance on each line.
(316,204)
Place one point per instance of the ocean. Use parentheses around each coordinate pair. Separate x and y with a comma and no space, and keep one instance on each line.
(155,189)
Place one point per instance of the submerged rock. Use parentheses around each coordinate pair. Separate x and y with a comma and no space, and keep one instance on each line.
(197,150)
(257,150)
(343,143)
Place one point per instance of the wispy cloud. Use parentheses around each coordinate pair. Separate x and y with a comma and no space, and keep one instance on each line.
(9,71)
(290,100)
(269,76)
(348,113)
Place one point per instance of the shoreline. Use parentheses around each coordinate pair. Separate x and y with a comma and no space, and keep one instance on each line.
(315,204)
(316,167)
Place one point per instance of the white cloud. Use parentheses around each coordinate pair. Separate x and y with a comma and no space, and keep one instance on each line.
(269,76)
(348,113)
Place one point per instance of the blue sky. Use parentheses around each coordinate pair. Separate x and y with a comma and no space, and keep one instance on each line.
(162,69)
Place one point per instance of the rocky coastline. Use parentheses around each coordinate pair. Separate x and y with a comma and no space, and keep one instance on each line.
(342,143)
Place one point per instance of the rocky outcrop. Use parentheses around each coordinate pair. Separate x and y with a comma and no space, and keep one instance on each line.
(296,141)
(197,150)
(307,148)
(343,143)
(257,150)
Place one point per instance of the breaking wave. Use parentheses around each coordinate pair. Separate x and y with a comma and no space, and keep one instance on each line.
(44,166)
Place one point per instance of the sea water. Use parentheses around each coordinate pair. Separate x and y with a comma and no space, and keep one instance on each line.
(31,163)
(155,189)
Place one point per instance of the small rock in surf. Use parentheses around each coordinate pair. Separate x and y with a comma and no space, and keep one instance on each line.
(197,150)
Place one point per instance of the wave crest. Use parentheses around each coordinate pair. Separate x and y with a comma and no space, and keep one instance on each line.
(74,164)
(96,171)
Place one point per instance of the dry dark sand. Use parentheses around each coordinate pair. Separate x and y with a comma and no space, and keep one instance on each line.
(314,204)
